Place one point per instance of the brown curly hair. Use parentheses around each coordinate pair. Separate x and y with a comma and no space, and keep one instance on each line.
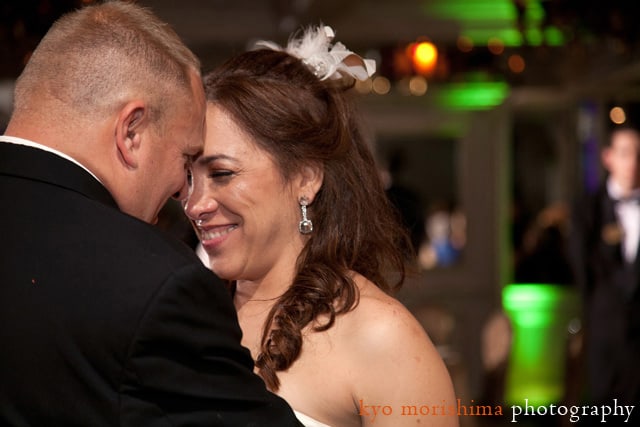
(299,120)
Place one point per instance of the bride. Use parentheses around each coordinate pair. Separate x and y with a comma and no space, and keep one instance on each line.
(288,205)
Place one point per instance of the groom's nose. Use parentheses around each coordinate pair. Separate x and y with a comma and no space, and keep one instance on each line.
(182,194)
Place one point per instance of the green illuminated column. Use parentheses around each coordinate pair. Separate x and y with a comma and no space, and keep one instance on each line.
(540,316)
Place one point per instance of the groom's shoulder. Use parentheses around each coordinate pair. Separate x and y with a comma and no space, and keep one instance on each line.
(145,244)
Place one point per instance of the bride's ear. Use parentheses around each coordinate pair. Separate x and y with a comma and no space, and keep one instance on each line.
(309,181)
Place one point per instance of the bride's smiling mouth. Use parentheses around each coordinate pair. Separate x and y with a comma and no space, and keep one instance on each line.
(212,236)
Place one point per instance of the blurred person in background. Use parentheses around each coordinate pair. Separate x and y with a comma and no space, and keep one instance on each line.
(604,251)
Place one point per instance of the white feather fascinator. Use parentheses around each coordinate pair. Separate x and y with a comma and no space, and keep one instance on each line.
(325,60)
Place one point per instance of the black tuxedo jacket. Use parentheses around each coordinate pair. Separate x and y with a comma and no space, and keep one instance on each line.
(611,289)
(104,321)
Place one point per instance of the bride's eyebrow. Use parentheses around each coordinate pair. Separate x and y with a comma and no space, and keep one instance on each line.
(205,160)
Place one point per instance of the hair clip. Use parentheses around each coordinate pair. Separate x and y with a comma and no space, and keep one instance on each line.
(326,61)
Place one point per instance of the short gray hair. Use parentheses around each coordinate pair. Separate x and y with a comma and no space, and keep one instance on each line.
(91,58)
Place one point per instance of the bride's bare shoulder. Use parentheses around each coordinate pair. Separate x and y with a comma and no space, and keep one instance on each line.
(392,358)
(381,319)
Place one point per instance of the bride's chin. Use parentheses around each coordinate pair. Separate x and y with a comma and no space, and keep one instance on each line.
(222,276)
(222,273)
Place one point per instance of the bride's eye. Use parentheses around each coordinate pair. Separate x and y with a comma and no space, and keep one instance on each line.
(220,174)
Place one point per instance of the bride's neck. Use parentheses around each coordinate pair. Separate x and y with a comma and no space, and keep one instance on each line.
(258,293)
(266,288)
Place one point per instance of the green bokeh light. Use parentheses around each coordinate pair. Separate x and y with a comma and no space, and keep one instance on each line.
(472,10)
(554,36)
(481,20)
(508,36)
(534,36)
(471,95)
(533,13)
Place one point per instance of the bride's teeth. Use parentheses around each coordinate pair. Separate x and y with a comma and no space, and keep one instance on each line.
(208,235)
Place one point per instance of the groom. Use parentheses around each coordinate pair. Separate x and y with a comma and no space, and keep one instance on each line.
(104,321)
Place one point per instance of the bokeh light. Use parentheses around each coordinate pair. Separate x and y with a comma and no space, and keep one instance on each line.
(418,85)
(424,55)
(495,46)
(516,63)
(381,85)
(617,115)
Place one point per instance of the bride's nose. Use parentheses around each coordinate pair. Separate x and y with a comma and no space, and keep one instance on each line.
(199,204)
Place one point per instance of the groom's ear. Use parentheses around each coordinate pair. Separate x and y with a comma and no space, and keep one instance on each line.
(130,123)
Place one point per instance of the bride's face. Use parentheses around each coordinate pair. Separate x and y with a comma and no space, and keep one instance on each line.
(245,214)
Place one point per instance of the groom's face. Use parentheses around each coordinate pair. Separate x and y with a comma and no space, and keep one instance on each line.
(168,157)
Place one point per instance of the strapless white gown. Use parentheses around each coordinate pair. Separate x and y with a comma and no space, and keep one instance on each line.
(307,421)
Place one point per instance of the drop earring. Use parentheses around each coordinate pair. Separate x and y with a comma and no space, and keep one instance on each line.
(305,226)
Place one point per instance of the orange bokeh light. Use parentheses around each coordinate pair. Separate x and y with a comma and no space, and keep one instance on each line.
(516,63)
(424,56)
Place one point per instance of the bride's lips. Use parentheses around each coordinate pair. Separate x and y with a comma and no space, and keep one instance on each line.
(212,236)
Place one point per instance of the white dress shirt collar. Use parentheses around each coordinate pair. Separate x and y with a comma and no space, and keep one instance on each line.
(628,213)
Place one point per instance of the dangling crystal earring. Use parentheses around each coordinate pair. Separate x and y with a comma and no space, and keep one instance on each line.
(305,226)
